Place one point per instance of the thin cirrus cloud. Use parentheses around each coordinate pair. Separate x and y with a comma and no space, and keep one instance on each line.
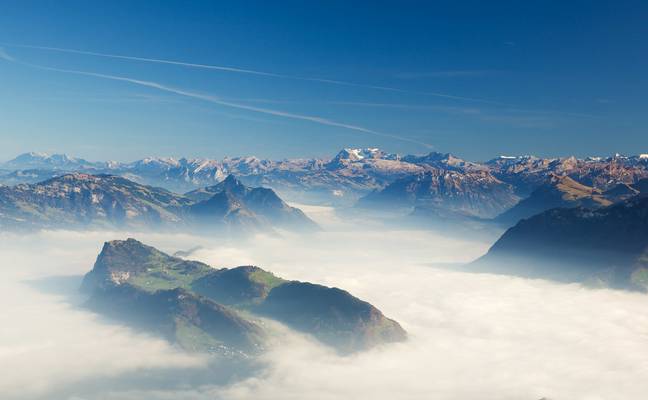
(459,110)
(425,107)
(400,106)
(253,72)
(217,100)
(444,74)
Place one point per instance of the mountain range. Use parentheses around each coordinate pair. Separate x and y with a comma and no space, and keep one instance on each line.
(221,311)
(474,193)
(431,184)
(80,200)
(526,173)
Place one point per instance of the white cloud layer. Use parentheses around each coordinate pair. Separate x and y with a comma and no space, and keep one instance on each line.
(46,342)
(472,336)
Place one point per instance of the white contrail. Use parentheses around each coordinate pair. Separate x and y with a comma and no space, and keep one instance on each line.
(253,72)
(219,101)
(5,56)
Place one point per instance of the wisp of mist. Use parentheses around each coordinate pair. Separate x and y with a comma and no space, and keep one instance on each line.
(471,336)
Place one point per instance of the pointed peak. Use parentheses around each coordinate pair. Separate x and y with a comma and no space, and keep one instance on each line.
(357,154)
(231,178)
(231,182)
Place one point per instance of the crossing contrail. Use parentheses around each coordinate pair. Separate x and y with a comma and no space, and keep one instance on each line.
(251,72)
(217,100)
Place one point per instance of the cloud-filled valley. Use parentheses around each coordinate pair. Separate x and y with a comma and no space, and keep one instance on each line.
(470,335)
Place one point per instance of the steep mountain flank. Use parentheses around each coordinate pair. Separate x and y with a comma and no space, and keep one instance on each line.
(606,246)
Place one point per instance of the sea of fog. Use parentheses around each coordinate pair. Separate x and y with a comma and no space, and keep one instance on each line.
(471,336)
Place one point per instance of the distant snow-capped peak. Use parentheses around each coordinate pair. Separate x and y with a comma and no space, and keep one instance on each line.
(36,160)
(359,154)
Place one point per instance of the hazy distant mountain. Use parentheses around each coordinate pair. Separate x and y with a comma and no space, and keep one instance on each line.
(256,206)
(43,161)
(98,201)
(187,174)
(343,179)
(348,156)
(217,310)
(19,176)
(607,246)
(444,161)
(370,162)
(82,200)
(475,193)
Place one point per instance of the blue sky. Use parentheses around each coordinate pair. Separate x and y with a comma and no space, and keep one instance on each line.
(470,77)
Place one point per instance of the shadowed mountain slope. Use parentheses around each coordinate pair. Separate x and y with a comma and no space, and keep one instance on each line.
(606,246)
(559,191)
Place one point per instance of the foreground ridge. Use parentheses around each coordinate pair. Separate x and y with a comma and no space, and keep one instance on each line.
(220,310)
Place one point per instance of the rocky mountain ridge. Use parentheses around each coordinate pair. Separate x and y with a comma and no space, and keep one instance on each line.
(80,200)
